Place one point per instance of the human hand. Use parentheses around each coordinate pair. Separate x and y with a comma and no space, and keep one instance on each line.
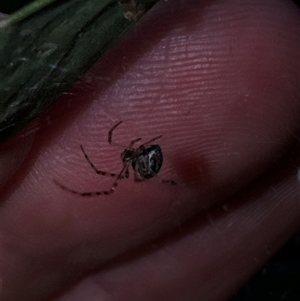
(220,82)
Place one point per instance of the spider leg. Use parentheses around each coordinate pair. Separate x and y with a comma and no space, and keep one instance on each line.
(133,142)
(101,192)
(117,144)
(153,139)
(113,128)
(110,135)
(136,179)
(99,172)
(168,182)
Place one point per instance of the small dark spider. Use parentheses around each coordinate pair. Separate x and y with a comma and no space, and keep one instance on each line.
(146,161)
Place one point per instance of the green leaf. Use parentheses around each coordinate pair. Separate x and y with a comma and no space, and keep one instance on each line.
(47,45)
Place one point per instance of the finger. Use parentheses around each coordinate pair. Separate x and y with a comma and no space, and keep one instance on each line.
(221,127)
(210,257)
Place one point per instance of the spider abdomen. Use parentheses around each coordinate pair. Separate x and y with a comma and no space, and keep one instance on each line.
(148,161)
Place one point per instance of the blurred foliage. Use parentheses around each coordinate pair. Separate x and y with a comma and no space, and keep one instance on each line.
(11,6)
(47,45)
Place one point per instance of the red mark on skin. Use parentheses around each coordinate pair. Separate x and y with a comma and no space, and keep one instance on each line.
(192,170)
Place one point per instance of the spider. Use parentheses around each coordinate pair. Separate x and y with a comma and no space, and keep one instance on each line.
(146,161)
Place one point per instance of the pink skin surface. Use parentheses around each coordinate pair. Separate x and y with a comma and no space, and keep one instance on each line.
(220,81)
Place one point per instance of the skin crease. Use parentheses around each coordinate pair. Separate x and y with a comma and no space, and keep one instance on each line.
(220,81)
